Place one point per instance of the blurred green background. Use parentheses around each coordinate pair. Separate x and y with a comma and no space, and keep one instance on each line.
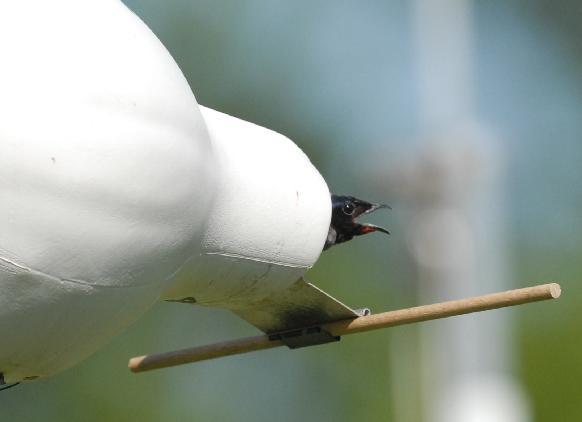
(341,80)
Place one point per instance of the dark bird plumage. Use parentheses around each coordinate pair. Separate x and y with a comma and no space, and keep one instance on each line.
(345,210)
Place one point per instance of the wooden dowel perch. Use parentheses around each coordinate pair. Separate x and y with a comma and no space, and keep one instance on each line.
(356,325)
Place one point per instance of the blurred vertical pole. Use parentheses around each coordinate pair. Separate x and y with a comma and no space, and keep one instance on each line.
(455,230)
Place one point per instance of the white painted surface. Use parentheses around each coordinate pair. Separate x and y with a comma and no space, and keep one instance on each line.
(270,220)
(112,190)
(106,178)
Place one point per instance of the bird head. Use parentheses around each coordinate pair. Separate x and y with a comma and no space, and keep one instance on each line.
(345,210)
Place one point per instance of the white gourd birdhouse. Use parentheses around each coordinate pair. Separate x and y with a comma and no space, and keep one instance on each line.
(117,189)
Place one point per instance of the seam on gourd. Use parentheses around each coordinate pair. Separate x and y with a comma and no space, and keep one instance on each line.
(251,258)
(21,267)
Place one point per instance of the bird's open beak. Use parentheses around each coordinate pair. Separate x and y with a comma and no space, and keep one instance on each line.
(364,208)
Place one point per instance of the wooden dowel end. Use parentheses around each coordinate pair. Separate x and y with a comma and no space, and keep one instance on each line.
(555,290)
(356,325)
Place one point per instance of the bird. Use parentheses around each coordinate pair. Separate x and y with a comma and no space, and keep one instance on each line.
(343,226)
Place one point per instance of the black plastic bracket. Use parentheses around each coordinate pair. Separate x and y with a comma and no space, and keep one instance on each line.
(303,337)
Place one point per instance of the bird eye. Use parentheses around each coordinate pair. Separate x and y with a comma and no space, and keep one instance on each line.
(349,208)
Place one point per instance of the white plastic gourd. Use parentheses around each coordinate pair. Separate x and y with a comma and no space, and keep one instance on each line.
(117,189)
